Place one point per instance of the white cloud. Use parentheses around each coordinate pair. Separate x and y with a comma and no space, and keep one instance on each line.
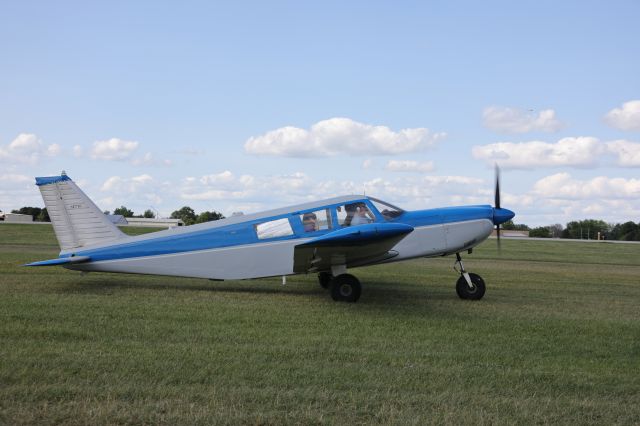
(18,190)
(11,179)
(27,148)
(226,188)
(572,151)
(148,159)
(563,186)
(113,149)
(514,120)
(225,185)
(137,192)
(409,166)
(78,151)
(340,136)
(625,118)
(628,152)
(367,164)
(218,178)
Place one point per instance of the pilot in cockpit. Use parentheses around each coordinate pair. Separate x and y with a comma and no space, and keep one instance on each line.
(358,214)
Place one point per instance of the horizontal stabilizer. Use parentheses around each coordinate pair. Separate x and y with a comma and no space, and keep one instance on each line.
(60,261)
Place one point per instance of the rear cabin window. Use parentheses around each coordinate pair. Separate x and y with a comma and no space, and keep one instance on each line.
(318,220)
(274,229)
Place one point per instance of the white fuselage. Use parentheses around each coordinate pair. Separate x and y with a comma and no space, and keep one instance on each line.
(266,259)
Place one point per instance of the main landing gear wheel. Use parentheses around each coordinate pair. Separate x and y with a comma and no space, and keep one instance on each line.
(345,288)
(466,292)
(325,279)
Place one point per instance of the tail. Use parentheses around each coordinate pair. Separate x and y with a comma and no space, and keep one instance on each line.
(77,221)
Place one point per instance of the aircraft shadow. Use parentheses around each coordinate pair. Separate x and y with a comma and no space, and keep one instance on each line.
(381,295)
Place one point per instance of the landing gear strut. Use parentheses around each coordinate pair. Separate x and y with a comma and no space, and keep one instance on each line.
(469,286)
(324,278)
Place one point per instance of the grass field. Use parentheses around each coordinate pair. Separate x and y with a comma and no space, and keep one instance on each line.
(556,340)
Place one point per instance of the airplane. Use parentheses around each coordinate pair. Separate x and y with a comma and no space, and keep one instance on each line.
(326,237)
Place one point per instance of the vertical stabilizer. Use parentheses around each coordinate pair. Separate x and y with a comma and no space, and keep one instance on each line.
(77,221)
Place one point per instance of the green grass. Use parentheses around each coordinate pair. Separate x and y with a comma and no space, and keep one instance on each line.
(555,340)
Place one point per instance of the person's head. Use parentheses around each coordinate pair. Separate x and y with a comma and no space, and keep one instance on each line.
(309,221)
(351,208)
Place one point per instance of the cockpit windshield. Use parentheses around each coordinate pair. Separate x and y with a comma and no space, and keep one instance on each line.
(387,210)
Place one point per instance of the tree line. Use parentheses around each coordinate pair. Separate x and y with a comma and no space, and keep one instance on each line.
(581,229)
(588,229)
(186,213)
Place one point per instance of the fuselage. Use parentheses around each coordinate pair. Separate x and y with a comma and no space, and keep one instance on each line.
(263,244)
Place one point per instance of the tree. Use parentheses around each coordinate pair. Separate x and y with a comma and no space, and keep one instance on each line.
(540,232)
(31,211)
(510,226)
(149,214)
(43,216)
(627,231)
(209,216)
(187,215)
(556,230)
(585,229)
(122,210)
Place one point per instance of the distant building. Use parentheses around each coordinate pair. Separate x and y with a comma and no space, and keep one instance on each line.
(17,218)
(510,233)
(158,223)
(117,219)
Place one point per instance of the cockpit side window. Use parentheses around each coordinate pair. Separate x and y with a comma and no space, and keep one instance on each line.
(352,214)
(387,211)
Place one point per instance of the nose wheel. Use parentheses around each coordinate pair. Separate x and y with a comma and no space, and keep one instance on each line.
(469,286)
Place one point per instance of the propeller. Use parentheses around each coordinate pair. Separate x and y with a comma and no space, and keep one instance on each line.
(497,203)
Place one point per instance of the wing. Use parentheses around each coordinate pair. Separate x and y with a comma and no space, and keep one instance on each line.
(352,246)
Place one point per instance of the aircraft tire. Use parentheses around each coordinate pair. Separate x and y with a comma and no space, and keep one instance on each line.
(463,290)
(325,279)
(345,288)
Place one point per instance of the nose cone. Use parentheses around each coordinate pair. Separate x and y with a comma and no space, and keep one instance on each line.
(502,215)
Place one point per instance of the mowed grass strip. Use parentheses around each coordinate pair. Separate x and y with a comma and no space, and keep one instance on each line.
(555,340)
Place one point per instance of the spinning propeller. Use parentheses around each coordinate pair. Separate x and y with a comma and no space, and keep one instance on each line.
(500,215)
(496,204)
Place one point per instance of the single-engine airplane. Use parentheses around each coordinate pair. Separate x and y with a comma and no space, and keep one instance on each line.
(325,237)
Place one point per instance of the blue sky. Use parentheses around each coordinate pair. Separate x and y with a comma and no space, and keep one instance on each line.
(245,106)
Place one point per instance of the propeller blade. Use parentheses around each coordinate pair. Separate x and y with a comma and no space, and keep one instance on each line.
(497,191)
(497,205)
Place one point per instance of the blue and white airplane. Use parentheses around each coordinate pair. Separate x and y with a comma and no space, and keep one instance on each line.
(326,237)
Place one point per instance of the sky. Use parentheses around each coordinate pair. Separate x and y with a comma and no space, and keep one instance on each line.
(245,106)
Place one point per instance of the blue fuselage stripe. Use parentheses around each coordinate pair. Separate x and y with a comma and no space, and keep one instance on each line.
(244,234)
